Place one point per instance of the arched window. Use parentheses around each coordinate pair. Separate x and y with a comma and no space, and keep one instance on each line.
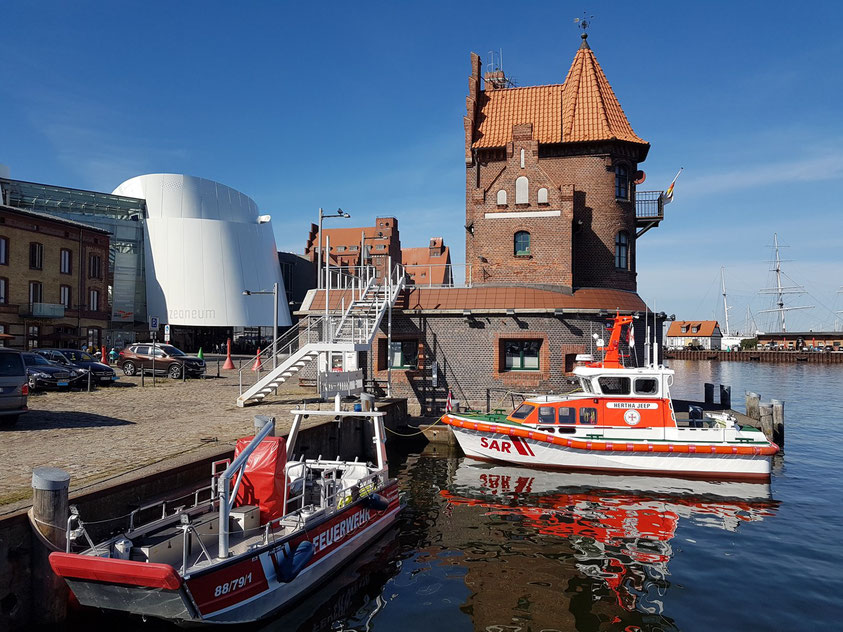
(622,250)
(502,197)
(522,242)
(542,196)
(522,190)
(621,182)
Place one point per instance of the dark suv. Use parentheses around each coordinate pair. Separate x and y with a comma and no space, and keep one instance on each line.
(101,374)
(169,360)
(13,386)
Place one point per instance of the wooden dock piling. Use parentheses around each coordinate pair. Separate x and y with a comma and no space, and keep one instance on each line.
(769,417)
(726,397)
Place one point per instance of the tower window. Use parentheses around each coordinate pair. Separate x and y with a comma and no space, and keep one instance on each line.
(522,158)
(522,190)
(621,182)
(622,250)
(542,196)
(502,197)
(522,243)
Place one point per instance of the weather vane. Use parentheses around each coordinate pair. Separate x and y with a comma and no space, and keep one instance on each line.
(584,22)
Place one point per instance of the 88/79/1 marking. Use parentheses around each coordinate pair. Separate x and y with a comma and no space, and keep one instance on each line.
(234,584)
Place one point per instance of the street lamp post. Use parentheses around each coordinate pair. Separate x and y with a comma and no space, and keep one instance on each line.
(339,213)
(274,293)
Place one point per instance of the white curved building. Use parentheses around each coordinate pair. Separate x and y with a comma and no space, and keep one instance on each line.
(205,245)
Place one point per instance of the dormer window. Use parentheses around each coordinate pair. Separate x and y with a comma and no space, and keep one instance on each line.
(685,329)
(695,329)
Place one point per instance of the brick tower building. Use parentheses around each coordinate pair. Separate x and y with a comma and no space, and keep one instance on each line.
(550,171)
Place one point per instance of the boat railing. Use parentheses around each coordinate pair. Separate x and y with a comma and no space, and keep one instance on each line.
(168,503)
(228,494)
(332,497)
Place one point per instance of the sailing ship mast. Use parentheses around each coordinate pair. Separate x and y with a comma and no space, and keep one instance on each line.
(726,307)
(781,290)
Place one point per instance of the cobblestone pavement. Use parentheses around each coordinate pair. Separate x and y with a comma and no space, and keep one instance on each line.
(114,430)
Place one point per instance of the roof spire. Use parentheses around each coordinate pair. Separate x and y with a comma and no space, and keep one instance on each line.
(584,44)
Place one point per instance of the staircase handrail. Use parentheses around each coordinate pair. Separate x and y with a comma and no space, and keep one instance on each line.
(363,292)
(284,342)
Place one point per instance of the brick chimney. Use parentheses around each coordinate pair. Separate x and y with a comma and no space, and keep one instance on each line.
(495,80)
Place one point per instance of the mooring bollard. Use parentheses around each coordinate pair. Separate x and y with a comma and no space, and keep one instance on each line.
(778,423)
(753,400)
(725,397)
(709,393)
(218,368)
(49,516)
(49,503)
(766,419)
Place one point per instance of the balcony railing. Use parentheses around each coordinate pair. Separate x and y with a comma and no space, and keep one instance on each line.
(649,205)
(41,310)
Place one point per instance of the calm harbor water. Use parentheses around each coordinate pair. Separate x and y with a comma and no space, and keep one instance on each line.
(505,549)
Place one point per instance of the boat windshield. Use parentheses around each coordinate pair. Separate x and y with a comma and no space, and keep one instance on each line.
(585,385)
(523,411)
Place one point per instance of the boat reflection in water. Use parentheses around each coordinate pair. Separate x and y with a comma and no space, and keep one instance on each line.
(574,547)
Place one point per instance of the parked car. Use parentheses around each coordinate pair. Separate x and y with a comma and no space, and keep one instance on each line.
(169,360)
(101,374)
(42,373)
(14,388)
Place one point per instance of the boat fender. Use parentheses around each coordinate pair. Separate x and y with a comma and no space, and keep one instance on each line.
(376,502)
(290,565)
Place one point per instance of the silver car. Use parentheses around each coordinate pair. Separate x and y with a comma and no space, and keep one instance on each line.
(13,386)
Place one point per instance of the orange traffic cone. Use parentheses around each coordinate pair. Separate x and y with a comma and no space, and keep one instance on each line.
(228,365)
(257,365)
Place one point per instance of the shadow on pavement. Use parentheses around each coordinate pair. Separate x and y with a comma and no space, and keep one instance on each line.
(47,419)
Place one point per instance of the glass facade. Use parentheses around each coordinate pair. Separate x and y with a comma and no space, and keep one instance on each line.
(123,218)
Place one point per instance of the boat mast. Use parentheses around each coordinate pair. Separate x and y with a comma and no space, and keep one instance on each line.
(781,290)
(726,307)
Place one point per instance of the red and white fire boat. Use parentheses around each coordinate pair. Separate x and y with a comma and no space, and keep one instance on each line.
(272,529)
(621,420)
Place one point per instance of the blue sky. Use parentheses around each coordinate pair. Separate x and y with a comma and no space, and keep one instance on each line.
(360,106)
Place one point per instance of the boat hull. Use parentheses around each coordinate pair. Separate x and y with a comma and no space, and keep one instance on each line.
(244,589)
(501,447)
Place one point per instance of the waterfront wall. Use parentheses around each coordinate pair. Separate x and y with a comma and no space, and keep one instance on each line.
(835,357)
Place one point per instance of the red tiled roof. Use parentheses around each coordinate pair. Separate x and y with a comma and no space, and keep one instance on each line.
(705,328)
(584,108)
(424,267)
(499,298)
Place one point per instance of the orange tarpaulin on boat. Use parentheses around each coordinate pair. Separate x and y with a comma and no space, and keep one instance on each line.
(264,478)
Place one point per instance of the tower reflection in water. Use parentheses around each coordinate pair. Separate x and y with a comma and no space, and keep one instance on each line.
(579,551)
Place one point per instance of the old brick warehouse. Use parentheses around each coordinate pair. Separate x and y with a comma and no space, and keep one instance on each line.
(552,222)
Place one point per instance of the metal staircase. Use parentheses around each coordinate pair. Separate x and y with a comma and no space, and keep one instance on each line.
(351,328)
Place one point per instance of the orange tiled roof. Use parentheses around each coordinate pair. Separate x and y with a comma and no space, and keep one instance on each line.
(509,297)
(501,109)
(705,328)
(584,108)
